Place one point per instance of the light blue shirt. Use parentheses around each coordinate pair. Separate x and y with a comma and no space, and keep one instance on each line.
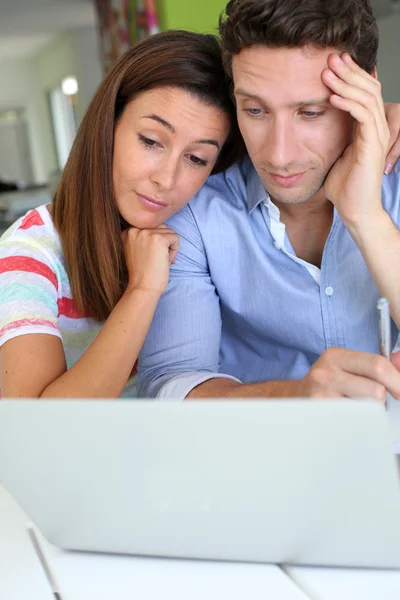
(240,303)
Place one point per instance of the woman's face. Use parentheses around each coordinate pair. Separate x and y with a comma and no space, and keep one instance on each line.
(166,144)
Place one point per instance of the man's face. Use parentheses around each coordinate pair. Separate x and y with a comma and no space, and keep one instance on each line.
(292,132)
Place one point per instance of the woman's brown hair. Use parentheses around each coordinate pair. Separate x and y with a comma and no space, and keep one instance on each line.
(348,25)
(84,210)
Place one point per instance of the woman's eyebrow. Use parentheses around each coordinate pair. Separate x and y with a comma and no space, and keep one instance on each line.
(172,129)
(161,121)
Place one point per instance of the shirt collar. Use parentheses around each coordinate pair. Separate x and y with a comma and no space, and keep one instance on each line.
(256,192)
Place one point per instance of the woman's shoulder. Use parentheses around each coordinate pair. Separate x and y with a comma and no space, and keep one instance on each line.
(31,249)
(33,232)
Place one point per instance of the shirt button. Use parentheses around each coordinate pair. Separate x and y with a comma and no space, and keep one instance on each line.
(278,245)
(329,291)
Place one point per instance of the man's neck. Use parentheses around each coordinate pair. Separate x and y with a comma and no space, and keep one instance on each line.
(308,225)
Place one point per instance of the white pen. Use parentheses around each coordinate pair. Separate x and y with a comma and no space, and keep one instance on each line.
(385,341)
(45,565)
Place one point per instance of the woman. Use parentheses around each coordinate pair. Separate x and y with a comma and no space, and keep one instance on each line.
(80,280)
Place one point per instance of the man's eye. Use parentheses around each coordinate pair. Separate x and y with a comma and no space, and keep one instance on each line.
(311,114)
(253,112)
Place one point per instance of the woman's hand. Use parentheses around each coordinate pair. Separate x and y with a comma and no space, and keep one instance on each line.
(392,112)
(149,254)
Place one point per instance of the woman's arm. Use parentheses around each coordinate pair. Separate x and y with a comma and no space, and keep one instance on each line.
(34,365)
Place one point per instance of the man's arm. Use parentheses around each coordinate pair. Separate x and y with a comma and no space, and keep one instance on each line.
(182,347)
(354,184)
(337,373)
(180,357)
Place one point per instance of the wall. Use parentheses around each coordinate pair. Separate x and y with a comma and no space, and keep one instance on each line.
(388,60)
(201,15)
(25,83)
(52,64)
(20,89)
(88,65)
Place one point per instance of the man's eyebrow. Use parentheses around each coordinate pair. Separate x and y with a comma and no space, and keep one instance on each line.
(171,128)
(242,92)
(311,102)
(162,122)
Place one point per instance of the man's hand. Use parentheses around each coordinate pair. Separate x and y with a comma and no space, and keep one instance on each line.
(354,183)
(349,374)
(392,112)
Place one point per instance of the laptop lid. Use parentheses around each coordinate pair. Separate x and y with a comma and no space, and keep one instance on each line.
(285,481)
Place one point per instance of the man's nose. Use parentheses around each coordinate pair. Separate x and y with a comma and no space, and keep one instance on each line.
(282,145)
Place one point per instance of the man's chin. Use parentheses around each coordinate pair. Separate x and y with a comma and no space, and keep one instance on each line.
(294,196)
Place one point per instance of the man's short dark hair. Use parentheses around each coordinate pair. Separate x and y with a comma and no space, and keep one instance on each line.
(348,25)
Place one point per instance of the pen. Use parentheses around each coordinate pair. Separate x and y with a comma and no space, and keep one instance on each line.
(45,566)
(385,343)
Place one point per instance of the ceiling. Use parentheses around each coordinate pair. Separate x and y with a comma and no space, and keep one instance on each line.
(27,25)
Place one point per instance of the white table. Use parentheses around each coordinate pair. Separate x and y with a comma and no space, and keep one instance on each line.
(87,576)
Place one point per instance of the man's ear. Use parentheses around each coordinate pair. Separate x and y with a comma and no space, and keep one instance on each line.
(375,73)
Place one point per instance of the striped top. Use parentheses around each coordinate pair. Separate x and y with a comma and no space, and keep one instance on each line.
(35,291)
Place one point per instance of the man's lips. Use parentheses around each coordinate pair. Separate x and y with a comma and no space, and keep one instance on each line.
(287,180)
(152,203)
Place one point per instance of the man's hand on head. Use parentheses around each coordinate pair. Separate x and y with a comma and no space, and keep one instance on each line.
(354,182)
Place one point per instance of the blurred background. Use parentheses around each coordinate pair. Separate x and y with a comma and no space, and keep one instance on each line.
(53,55)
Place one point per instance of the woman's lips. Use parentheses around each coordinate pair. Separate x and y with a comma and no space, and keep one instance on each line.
(152,203)
(287,181)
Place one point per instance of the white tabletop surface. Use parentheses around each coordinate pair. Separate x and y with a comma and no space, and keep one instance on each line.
(346,584)
(86,576)
(83,576)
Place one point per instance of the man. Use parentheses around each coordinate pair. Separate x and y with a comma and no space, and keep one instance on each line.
(283,258)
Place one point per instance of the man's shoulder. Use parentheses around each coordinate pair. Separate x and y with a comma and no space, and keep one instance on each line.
(230,187)
(222,199)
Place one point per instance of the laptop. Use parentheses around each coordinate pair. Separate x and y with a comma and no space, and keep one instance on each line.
(279,481)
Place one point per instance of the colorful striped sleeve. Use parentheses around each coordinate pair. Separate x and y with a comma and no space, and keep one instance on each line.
(28,289)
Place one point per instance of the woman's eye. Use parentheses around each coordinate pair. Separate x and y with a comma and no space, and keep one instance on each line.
(148,142)
(198,162)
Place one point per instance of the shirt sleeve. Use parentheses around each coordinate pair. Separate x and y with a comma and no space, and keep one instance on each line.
(182,347)
(28,290)
(179,386)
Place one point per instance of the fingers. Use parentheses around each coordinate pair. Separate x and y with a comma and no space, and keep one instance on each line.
(358,93)
(149,254)
(354,374)
(162,236)
(376,368)
(348,385)
(173,249)
(392,112)
(351,73)
(395,360)
(393,155)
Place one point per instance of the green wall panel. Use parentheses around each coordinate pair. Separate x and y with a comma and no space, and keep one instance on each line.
(195,15)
